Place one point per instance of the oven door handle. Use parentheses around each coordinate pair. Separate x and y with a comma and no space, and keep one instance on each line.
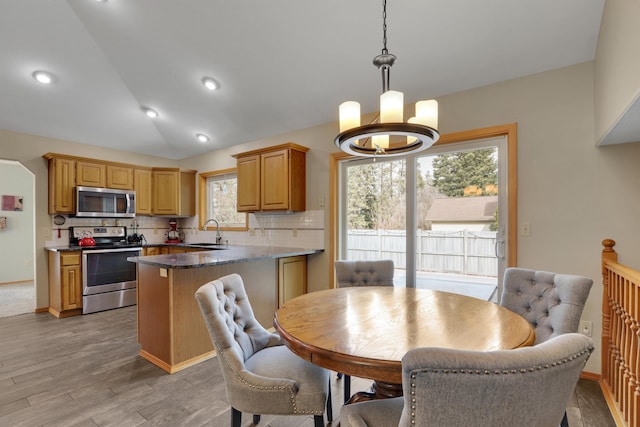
(97,251)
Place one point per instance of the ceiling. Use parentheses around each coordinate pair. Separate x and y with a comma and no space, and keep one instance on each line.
(282,65)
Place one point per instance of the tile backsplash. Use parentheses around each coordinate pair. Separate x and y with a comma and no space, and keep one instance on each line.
(298,229)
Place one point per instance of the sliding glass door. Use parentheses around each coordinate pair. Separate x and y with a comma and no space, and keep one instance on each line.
(441,215)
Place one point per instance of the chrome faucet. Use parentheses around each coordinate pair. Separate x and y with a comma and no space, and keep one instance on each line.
(218,236)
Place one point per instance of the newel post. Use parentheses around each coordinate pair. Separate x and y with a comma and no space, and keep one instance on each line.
(608,254)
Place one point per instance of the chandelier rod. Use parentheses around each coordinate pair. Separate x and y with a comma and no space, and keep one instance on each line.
(385,60)
(384,27)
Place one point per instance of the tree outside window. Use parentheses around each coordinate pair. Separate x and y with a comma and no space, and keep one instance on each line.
(219,189)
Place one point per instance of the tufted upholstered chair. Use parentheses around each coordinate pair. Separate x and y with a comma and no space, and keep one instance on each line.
(525,387)
(261,375)
(552,303)
(362,273)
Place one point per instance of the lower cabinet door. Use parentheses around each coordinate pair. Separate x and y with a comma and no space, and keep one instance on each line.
(292,278)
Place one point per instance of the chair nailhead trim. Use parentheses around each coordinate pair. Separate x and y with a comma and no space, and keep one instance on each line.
(496,372)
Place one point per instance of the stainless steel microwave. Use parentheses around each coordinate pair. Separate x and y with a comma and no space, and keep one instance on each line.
(105,203)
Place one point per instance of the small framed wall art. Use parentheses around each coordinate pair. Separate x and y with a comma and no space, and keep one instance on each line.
(11,203)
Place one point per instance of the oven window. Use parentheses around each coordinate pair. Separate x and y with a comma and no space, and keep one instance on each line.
(104,268)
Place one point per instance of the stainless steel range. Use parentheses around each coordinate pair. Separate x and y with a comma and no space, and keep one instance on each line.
(108,279)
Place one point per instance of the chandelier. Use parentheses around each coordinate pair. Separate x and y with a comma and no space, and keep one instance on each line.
(390,135)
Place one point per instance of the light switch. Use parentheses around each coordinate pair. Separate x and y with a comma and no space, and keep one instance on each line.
(525,229)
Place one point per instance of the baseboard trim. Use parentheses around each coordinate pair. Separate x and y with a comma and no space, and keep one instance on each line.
(591,376)
(16,283)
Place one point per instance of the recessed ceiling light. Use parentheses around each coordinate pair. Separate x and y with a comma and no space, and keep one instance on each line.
(209,83)
(43,77)
(150,113)
(202,137)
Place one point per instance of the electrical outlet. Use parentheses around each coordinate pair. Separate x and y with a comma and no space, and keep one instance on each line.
(252,232)
(586,327)
(155,230)
(295,232)
(46,232)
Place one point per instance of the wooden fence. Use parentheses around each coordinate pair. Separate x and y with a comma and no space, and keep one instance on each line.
(461,252)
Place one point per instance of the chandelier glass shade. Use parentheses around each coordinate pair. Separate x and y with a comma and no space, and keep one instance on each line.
(390,135)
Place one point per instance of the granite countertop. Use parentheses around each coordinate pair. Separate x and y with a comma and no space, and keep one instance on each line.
(232,254)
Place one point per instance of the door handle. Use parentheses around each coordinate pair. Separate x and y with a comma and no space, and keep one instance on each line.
(499,244)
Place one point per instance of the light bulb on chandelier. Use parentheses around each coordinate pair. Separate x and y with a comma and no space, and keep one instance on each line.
(390,136)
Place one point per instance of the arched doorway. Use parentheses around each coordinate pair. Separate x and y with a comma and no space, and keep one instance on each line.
(17,265)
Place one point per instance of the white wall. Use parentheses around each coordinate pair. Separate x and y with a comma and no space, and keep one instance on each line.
(617,64)
(16,262)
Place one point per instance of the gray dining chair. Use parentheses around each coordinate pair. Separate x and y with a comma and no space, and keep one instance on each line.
(362,273)
(525,387)
(552,303)
(261,375)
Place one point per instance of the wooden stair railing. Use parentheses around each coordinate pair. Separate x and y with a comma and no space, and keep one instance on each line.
(620,335)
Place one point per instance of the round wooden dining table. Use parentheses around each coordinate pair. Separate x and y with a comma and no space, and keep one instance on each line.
(365,331)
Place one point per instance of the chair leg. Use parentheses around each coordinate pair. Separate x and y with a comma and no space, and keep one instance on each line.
(318,421)
(339,375)
(565,421)
(256,419)
(329,405)
(236,417)
(347,388)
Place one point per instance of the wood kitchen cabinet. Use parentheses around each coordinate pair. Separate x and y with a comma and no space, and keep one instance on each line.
(155,250)
(248,168)
(292,278)
(62,185)
(174,192)
(151,250)
(120,177)
(159,191)
(91,174)
(142,184)
(272,179)
(65,283)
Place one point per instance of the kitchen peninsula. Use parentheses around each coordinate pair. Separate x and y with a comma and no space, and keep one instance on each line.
(171,331)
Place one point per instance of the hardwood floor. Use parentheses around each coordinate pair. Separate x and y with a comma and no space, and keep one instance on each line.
(85,371)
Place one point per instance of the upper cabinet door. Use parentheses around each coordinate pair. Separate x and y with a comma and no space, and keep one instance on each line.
(142,184)
(62,186)
(165,192)
(274,168)
(91,174)
(120,177)
(249,183)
